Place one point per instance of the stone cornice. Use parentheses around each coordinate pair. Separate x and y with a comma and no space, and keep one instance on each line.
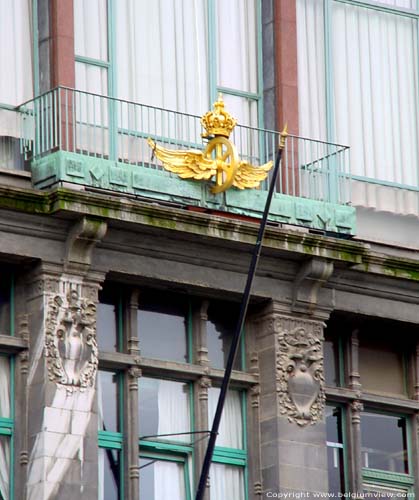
(118,209)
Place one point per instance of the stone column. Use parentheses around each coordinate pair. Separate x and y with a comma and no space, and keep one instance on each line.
(63,360)
(354,454)
(131,396)
(62,423)
(292,398)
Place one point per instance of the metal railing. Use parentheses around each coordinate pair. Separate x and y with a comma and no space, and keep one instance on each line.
(114,129)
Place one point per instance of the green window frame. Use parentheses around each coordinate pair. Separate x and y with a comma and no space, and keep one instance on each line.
(376,477)
(344,444)
(236,457)
(329,70)
(110,440)
(153,448)
(7,426)
(214,88)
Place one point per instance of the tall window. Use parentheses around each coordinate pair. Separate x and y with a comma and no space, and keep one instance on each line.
(358,66)
(16,83)
(170,54)
(180,340)
(378,373)
(6,427)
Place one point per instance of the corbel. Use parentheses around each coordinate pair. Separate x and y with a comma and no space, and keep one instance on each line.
(313,274)
(82,239)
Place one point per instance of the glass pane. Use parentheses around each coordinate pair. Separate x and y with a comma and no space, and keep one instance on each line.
(226,481)
(91,79)
(109,467)
(221,325)
(334,449)
(162,331)
(237,44)
(231,425)
(162,479)
(90,38)
(386,454)
(4,467)
(5,306)
(164,409)
(161,50)
(4,387)
(108,401)
(381,362)
(331,360)
(106,327)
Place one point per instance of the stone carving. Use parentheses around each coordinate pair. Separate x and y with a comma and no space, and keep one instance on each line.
(300,380)
(357,407)
(70,340)
(204,384)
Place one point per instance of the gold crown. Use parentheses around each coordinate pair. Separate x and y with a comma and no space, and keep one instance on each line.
(219,121)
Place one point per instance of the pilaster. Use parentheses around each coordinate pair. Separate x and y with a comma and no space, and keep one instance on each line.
(292,425)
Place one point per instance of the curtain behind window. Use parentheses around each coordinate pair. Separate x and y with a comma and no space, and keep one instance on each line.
(4,440)
(374,83)
(161,53)
(16,63)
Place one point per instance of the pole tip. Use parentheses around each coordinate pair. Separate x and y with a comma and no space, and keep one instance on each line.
(283,135)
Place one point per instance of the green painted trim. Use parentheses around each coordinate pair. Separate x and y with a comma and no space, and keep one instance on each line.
(159,446)
(239,454)
(12,439)
(35,41)
(6,431)
(6,423)
(245,444)
(120,395)
(12,305)
(253,96)
(259,51)
(381,182)
(221,459)
(212,51)
(389,9)
(90,61)
(8,107)
(328,63)
(394,478)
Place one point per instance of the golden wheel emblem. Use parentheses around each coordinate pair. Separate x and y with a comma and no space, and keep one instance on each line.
(226,161)
(219,159)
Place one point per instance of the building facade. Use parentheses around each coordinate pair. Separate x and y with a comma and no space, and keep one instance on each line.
(121,282)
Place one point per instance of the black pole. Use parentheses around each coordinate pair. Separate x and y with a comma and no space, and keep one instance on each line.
(237,334)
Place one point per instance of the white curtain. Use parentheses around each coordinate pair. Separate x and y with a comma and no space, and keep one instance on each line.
(174,417)
(226,481)
(162,53)
(16,63)
(174,412)
(375,105)
(4,441)
(169,481)
(231,425)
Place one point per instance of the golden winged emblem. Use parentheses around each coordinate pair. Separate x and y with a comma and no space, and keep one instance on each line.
(219,159)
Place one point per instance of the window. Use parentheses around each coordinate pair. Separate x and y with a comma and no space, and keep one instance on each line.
(175,340)
(370,405)
(357,83)
(16,85)
(227,473)
(6,426)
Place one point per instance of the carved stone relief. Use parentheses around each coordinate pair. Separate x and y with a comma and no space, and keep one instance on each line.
(299,366)
(70,339)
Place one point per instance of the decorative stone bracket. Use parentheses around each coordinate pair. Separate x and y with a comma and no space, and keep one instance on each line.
(80,243)
(312,275)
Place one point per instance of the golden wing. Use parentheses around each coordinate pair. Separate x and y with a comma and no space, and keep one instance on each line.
(248,176)
(186,163)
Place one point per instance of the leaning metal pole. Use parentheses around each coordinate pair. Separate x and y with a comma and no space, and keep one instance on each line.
(237,334)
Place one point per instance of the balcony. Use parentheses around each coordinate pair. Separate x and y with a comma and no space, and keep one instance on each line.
(78,138)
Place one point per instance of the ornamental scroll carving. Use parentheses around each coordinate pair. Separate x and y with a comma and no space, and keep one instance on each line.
(70,340)
(299,365)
